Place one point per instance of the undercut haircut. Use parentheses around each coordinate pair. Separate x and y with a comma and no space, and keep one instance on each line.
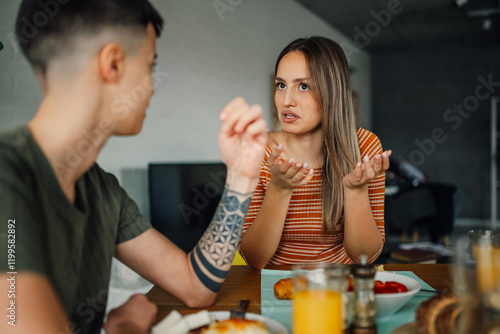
(47,29)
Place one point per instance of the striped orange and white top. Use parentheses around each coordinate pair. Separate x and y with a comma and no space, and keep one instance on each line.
(302,239)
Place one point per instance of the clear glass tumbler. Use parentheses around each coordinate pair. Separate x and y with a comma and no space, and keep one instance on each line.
(477,281)
(320,298)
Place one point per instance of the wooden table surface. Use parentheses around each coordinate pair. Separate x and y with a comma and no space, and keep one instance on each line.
(243,282)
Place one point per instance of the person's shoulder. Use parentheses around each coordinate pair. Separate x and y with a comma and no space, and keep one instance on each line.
(14,149)
(104,186)
(18,168)
(98,175)
(14,138)
(368,141)
(366,135)
(363,133)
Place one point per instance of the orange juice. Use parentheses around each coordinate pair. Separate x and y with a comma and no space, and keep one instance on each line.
(488,266)
(317,311)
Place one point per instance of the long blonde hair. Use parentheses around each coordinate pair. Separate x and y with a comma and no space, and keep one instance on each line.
(331,88)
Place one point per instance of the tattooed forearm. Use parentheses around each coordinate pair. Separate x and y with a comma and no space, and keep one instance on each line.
(212,256)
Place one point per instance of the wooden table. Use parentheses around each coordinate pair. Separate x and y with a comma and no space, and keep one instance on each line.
(243,282)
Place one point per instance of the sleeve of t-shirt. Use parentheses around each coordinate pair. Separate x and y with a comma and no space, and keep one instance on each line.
(131,221)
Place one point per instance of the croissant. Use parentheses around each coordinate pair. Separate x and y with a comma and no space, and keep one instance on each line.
(438,315)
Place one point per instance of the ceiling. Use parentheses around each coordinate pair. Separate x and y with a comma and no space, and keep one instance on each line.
(412,24)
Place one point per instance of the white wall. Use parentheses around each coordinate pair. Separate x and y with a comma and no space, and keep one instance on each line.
(209,58)
(19,91)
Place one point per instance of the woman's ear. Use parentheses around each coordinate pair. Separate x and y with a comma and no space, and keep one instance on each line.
(111,62)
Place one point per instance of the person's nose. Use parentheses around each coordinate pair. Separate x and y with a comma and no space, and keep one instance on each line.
(289,99)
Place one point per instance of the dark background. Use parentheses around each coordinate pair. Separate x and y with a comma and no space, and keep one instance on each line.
(426,58)
(412,90)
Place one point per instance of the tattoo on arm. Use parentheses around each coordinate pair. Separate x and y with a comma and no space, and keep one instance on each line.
(212,256)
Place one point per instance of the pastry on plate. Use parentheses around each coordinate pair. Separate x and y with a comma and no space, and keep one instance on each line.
(237,326)
(283,288)
(438,315)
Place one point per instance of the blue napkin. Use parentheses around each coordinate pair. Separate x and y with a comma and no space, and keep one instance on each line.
(281,310)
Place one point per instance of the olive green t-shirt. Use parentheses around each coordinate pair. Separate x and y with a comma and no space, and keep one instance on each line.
(71,244)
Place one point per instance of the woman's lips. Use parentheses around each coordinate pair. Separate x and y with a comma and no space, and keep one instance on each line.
(288,117)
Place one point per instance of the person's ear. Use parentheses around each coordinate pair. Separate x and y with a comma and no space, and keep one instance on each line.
(111,62)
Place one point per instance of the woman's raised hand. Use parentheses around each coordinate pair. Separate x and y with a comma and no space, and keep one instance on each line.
(289,174)
(367,170)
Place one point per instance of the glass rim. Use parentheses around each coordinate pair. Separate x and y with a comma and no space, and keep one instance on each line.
(484,236)
(307,267)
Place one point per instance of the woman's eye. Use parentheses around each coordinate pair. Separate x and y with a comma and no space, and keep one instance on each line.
(280,85)
(303,87)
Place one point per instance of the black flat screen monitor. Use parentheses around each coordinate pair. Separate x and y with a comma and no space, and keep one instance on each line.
(183,198)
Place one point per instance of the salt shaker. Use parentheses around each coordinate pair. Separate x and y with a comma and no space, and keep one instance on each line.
(364,297)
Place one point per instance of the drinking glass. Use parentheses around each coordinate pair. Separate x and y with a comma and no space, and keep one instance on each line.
(320,298)
(486,251)
(478,281)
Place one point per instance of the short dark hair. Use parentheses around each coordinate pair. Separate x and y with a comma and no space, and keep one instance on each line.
(45,28)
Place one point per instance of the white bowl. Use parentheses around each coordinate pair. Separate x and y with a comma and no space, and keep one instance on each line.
(389,303)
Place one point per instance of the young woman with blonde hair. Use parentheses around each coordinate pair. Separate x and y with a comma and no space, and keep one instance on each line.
(320,196)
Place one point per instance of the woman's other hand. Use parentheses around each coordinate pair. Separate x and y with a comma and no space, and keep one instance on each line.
(289,174)
(367,170)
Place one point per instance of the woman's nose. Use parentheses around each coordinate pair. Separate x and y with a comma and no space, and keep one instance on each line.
(289,98)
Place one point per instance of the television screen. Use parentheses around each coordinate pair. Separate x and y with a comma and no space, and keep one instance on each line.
(183,198)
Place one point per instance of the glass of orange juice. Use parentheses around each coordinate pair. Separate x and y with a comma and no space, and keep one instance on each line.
(477,280)
(319,299)
(486,251)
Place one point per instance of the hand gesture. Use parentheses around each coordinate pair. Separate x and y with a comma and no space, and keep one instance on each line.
(290,174)
(367,170)
(242,138)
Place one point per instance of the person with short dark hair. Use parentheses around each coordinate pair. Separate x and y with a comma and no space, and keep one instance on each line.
(62,217)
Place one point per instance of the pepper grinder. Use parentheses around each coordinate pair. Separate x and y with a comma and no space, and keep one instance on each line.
(364,297)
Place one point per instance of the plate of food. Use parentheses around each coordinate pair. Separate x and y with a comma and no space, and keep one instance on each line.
(205,322)
(392,291)
(255,320)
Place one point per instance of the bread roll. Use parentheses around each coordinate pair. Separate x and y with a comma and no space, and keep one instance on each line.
(283,288)
(237,326)
(438,315)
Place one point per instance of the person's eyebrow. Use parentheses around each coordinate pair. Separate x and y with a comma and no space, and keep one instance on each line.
(294,80)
